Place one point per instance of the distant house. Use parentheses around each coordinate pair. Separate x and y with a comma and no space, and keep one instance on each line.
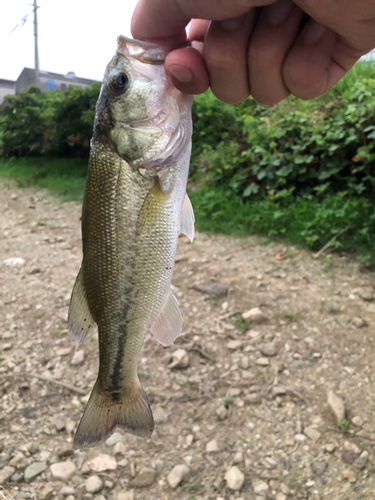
(6,87)
(47,81)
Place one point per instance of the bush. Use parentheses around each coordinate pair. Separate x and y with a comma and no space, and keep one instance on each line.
(322,146)
(53,123)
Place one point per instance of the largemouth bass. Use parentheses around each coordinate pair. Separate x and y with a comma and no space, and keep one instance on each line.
(134,206)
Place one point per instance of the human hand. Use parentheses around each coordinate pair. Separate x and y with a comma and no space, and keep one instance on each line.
(268,53)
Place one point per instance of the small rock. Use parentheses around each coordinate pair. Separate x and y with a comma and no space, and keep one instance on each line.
(78,358)
(234,478)
(268,349)
(366,293)
(120,449)
(63,470)
(70,426)
(146,476)
(238,457)
(362,460)
(189,439)
(66,491)
(312,433)
(180,359)
(178,474)
(17,477)
(47,492)
(300,438)
(319,467)
(330,447)
(6,473)
(336,405)
(115,438)
(160,415)
(93,484)
(234,344)
(66,450)
(59,424)
(349,475)
(14,261)
(17,459)
(252,399)
(270,463)
(358,322)
(222,412)
(13,196)
(103,462)
(277,390)
(357,421)
(34,469)
(280,496)
(262,361)
(254,315)
(213,288)
(127,495)
(212,446)
(244,362)
(33,447)
(234,392)
(349,456)
(260,488)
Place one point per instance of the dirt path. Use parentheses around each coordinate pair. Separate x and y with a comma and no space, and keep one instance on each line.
(251,396)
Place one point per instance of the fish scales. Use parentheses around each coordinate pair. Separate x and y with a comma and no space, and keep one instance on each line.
(134,206)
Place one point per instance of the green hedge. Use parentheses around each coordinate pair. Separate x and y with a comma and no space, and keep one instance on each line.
(54,123)
(324,146)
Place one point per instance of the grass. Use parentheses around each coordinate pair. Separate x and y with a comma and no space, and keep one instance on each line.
(241,324)
(309,222)
(64,176)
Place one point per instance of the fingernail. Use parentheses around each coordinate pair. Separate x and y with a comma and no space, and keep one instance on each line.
(181,73)
(231,24)
(314,33)
(279,11)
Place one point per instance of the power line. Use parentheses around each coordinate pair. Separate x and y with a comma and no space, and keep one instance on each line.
(24,18)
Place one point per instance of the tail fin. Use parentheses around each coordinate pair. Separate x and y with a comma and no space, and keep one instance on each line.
(105,411)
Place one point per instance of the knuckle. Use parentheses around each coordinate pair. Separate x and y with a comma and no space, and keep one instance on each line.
(263,55)
(220,57)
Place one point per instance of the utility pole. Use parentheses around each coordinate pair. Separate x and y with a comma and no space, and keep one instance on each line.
(36,43)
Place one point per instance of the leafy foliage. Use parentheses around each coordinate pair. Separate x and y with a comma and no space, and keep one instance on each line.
(318,147)
(52,123)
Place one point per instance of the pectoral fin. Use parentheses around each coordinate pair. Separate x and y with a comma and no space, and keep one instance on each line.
(168,325)
(187,218)
(80,320)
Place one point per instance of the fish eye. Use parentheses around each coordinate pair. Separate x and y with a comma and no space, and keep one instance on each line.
(119,82)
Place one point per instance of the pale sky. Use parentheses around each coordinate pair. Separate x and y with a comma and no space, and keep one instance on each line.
(74,35)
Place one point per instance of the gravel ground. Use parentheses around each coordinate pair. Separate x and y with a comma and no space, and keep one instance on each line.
(268,393)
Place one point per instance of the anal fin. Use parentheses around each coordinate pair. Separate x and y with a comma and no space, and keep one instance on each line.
(187,218)
(168,324)
(80,320)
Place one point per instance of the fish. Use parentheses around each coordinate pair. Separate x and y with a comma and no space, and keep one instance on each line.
(135,204)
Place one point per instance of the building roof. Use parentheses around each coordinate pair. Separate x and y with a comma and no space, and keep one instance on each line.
(68,78)
(7,83)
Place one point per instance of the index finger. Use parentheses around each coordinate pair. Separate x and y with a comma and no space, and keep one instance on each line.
(164,21)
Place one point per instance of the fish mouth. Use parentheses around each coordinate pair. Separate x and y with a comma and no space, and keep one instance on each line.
(146,52)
